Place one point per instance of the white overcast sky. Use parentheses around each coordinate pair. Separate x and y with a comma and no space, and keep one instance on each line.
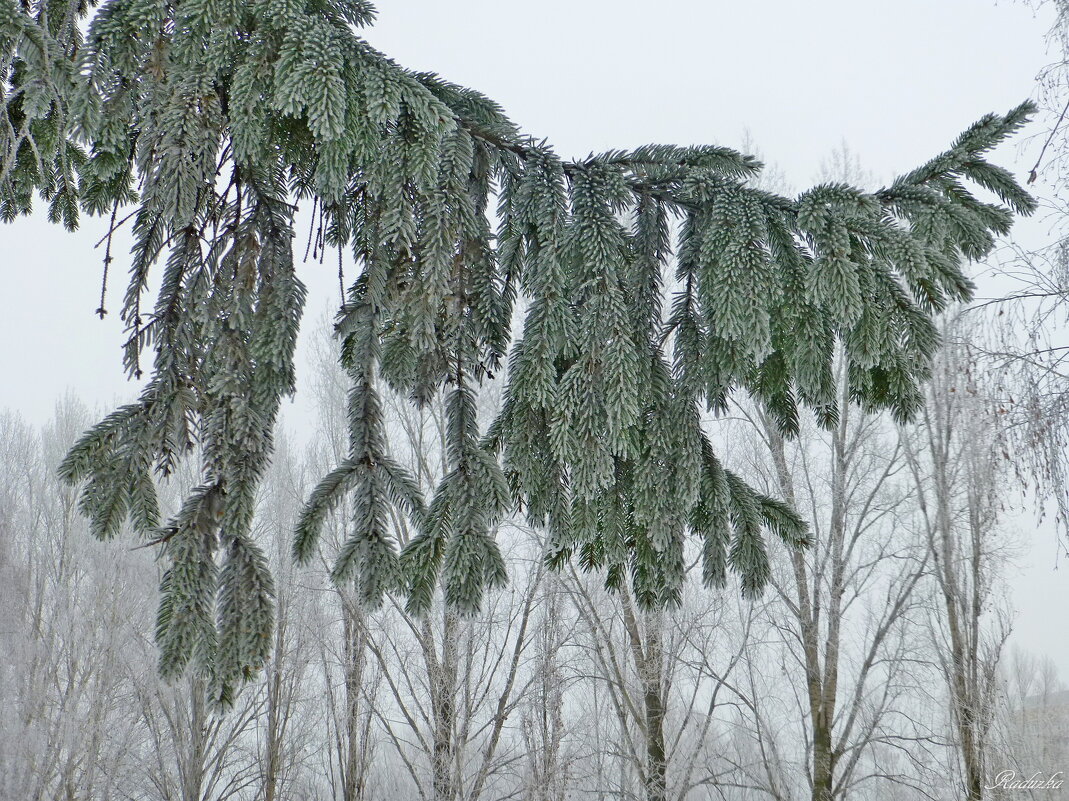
(895,81)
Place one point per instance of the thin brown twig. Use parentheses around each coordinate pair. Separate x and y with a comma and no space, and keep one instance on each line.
(115,227)
(1033,174)
(311,227)
(101,311)
(341,277)
(320,244)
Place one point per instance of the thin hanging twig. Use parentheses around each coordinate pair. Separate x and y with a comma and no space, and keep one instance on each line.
(320,248)
(1033,174)
(101,311)
(311,227)
(341,277)
(114,227)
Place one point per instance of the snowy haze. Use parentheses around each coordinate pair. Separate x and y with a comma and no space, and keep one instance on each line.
(896,82)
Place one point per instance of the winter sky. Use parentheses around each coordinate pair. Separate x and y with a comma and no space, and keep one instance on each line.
(895,82)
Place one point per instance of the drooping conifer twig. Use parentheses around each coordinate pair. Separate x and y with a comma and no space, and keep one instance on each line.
(599,439)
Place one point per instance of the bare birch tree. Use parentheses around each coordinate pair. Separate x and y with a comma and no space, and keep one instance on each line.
(961,474)
(845,606)
(657,691)
(70,614)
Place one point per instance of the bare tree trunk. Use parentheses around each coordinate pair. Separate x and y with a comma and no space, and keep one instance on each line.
(956,469)
(192,762)
(273,737)
(354,778)
(821,681)
(649,665)
(443,675)
(962,615)
(543,724)
(283,678)
(272,760)
(841,726)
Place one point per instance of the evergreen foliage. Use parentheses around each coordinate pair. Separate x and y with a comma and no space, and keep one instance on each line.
(214,119)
